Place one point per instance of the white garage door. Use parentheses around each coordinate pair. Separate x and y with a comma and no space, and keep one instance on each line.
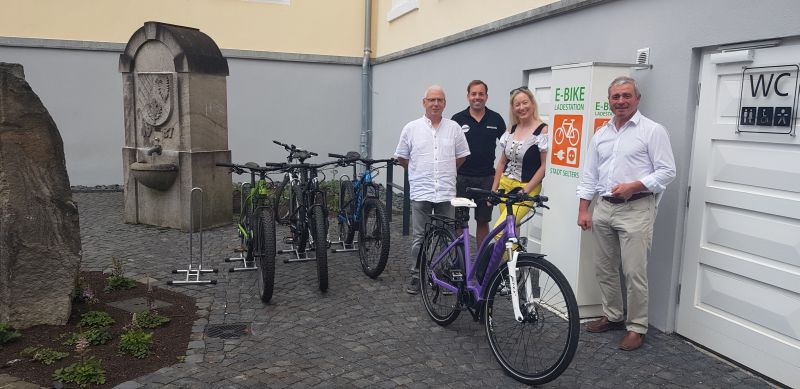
(740,283)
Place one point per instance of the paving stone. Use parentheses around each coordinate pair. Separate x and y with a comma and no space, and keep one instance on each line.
(363,332)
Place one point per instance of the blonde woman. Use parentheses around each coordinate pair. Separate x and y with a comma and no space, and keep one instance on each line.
(525,143)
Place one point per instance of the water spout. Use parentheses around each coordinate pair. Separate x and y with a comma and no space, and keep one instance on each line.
(153,150)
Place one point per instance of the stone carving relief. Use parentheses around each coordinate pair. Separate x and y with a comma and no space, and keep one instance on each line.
(154,102)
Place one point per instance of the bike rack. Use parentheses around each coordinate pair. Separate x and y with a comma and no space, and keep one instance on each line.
(244,189)
(298,256)
(194,272)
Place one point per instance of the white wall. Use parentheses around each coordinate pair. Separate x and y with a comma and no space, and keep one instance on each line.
(609,32)
(316,106)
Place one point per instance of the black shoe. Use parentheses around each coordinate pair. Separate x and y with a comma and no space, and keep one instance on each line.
(413,285)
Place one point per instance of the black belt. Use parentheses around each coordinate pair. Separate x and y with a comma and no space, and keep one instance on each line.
(636,196)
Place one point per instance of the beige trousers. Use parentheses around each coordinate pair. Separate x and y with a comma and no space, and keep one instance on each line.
(622,235)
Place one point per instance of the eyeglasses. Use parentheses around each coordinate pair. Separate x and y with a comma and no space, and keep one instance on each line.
(434,100)
(522,88)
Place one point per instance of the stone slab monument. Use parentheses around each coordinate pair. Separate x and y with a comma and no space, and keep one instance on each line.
(176,127)
(40,242)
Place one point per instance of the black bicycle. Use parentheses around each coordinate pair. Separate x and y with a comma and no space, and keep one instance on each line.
(360,210)
(306,211)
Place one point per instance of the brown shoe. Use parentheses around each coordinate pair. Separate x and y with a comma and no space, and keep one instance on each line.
(631,341)
(603,325)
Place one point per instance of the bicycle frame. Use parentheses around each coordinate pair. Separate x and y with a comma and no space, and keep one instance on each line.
(361,191)
(505,243)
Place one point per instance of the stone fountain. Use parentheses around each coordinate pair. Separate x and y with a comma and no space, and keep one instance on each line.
(176,127)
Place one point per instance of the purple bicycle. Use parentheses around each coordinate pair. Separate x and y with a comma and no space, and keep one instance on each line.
(527,306)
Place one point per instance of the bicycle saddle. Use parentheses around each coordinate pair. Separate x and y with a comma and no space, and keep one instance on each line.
(462,202)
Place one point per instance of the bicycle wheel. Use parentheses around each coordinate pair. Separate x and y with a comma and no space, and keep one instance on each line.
(320,233)
(346,210)
(373,238)
(538,349)
(265,253)
(442,306)
(298,219)
(558,137)
(283,198)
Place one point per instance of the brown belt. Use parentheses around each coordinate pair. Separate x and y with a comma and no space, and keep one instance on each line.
(636,196)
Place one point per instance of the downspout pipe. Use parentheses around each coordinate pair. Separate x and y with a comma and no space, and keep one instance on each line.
(365,146)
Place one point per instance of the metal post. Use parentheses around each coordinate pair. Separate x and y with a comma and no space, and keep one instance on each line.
(389,190)
(406,203)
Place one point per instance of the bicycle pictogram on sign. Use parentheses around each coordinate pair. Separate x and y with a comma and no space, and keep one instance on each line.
(567,140)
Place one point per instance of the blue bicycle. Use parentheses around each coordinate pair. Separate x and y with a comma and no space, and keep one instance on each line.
(360,210)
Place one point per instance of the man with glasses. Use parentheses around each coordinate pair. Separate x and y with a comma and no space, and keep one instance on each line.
(431,148)
(629,160)
(482,127)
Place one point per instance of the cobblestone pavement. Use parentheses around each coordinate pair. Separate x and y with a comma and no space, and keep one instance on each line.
(361,333)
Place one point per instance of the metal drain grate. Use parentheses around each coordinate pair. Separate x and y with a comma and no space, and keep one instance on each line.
(227,331)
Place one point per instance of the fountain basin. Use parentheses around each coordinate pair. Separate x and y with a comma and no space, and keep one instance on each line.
(158,176)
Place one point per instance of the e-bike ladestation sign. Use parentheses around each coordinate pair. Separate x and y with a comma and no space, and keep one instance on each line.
(580,106)
(768,99)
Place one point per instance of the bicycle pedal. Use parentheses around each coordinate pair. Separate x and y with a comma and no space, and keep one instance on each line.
(457,275)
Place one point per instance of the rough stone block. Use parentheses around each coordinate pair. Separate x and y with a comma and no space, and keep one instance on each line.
(40,245)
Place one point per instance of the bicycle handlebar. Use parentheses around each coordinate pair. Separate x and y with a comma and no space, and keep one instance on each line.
(353,156)
(295,153)
(515,196)
(252,167)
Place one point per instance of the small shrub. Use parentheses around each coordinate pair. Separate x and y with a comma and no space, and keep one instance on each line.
(83,373)
(149,319)
(94,336)
(96,319)
(8,334)
(135,342)
(114,282)
(44,354)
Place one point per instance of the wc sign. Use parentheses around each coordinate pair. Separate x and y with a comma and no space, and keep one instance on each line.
(768,99)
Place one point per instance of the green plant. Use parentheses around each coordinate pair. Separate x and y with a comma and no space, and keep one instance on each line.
(87,371)
(8,334)
(115,282)
(135,342)
(149,319)
(44,355)
(95,336)
(95,319)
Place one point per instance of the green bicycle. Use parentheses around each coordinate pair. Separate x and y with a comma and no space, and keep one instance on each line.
(256,225)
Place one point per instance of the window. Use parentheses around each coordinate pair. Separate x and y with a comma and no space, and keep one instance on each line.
(400,8)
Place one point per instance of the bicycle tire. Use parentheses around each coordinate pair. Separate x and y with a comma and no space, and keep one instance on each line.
(373,238)
(283,198)
(300,230)
(541,347)
(266,253)
(346,211)
(443,308)
(559,135)
(320,234)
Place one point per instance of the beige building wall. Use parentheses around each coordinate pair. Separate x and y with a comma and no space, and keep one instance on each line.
(322,27)
(430,20)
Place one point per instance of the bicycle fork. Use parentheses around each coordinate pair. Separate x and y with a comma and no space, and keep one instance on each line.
(512,277)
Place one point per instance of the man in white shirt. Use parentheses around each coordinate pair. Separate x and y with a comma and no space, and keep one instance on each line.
(629,161)
(431,148)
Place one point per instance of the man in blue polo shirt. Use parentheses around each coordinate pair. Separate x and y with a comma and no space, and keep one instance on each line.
(482,127)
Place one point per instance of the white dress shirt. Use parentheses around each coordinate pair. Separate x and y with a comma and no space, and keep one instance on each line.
(637,151)
(431,154)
